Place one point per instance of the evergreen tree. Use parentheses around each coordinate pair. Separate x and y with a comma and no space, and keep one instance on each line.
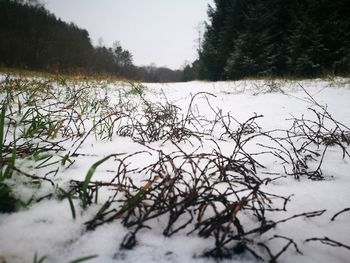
(191,72)
(319,42)
(218,38)
(276,37)
(306,50)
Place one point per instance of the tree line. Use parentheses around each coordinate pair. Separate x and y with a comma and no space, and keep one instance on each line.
(33,38)
(252,38)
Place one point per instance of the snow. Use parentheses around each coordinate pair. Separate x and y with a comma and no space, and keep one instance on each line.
(47,228)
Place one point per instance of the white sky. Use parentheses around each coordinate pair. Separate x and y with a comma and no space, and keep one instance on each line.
(158,31)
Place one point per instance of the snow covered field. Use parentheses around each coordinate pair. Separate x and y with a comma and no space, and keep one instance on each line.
(190,172)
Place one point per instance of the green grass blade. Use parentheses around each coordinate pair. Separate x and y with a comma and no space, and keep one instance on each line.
(2,128)
(71,205)
(135,199)
(36,260)
(89,175)
(7,201)
(66,159)
(9,169)
(83,259)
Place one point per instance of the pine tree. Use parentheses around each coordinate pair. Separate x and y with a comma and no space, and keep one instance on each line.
(260,48)
(319,42)
(276,37)
(225,22)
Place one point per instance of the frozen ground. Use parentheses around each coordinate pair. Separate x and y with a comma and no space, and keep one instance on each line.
(47,228)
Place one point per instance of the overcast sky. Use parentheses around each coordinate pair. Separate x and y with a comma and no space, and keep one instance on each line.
(158,31)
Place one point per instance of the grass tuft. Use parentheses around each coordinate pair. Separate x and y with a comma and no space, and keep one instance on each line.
(90,173)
